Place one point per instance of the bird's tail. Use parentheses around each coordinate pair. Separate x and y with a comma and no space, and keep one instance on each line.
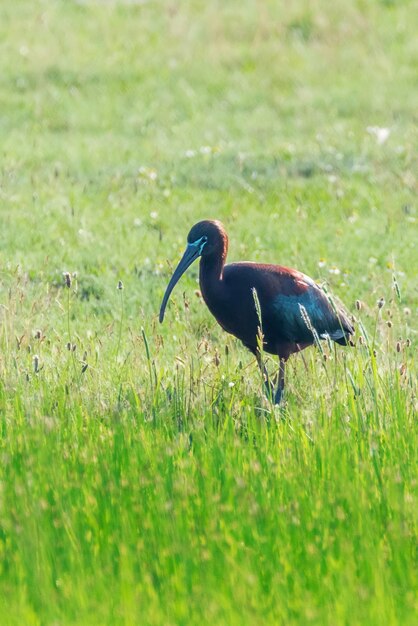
(343,335)
(344,340)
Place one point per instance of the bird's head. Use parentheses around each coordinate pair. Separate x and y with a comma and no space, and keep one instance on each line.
(205,239)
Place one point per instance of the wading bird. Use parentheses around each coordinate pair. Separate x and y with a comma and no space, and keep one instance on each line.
(294,311)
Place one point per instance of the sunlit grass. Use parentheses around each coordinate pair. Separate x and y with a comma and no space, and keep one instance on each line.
(144,477)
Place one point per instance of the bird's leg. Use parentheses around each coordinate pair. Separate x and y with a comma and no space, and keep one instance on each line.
(280,382)
(267,382)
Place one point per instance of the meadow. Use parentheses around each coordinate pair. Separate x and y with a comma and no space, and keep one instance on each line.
(144,477)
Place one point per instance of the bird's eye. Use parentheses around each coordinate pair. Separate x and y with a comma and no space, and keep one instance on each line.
(204,239)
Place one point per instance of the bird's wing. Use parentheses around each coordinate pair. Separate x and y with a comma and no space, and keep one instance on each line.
(290,301)
(310,312)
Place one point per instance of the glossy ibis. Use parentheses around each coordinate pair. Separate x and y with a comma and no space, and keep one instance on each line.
(295,312)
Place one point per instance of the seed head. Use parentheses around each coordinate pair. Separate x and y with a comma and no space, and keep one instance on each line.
(381,303)
(68,346)
(398,346)
(67,279)
(408,343)
(120,285)
(38,334)
(389,324)
(396,287)
(35,363)
(358,305)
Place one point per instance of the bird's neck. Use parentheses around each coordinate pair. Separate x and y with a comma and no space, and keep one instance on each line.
(211,274)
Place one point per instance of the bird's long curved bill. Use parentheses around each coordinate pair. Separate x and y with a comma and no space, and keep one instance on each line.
(191,254)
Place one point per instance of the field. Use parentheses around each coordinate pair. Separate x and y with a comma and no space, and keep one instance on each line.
(144,477)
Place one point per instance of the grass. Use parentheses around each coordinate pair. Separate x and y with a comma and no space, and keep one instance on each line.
(143,477)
